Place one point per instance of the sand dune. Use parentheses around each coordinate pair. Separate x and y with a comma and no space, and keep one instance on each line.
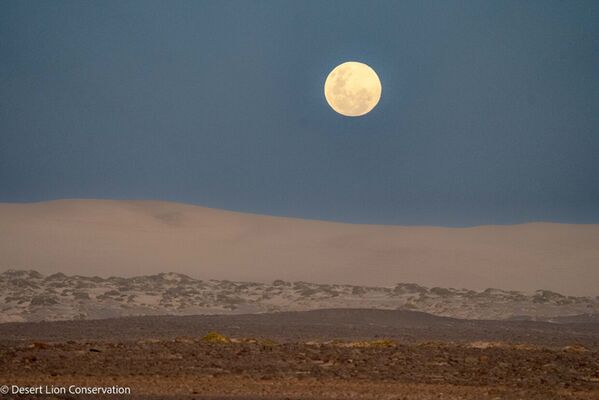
(125,238)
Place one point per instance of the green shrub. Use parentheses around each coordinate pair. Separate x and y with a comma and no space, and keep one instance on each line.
(268,342)
(215,337)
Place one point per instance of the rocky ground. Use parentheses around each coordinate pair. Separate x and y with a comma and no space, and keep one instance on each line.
(31,296)
(376,355)
(189,367)
(318,325)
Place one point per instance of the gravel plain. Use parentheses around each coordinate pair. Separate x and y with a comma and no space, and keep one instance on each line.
(297,356)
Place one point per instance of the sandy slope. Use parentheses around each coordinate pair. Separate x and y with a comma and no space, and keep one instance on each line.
(141,237)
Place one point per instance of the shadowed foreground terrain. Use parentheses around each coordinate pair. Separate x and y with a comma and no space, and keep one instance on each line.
(325,354)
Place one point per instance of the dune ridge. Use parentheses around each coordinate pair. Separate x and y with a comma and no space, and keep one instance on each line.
(127,238)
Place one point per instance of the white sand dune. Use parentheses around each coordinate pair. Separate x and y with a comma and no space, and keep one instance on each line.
(126,238)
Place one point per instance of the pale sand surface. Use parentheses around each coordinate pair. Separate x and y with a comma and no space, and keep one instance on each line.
(125,238)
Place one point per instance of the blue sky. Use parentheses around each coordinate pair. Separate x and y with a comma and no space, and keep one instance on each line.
(489,112)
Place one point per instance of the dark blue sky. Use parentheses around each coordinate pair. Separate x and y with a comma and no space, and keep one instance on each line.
(489,113)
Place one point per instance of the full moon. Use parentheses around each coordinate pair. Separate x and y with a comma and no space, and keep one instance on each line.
(352,89)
